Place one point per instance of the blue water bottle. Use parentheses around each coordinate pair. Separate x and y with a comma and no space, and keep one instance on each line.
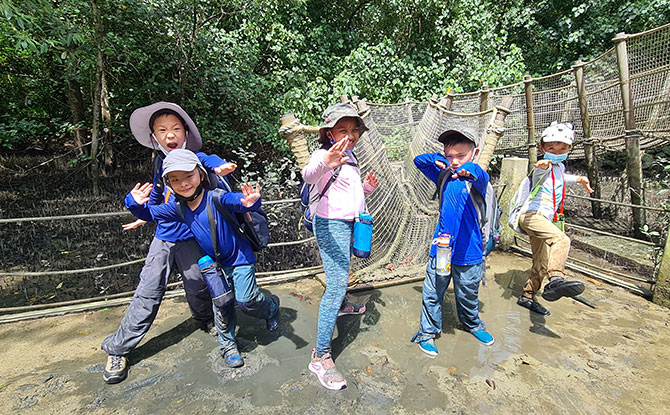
(217,284)
(363,235)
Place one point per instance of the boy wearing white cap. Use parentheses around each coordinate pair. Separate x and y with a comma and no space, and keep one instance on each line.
(162,127)
(549,244)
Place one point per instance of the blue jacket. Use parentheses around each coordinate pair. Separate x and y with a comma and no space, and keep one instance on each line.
(174,231)
(458,216)
(233,249)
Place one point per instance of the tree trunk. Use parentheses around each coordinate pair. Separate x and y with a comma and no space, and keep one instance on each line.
(75,102)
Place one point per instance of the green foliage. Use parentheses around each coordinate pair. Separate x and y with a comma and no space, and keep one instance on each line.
(237,66)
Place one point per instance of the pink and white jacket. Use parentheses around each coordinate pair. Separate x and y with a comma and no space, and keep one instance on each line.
(345,197)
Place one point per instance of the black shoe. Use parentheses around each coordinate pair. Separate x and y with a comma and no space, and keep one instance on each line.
(116,369)
(558,288)
(533,305)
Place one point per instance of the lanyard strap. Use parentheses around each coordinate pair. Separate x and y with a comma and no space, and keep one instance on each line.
(553,193)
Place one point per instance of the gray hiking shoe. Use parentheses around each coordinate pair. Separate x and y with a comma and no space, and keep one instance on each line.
(116,369)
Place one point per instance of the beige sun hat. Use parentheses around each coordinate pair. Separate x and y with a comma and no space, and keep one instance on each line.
(139,125)
(336,112)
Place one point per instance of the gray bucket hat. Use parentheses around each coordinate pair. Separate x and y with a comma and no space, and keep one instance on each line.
(466,132)
(139,125)
(185,160)
(336,112)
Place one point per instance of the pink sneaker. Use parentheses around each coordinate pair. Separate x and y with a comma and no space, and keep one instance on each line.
(324,369)
(351,309)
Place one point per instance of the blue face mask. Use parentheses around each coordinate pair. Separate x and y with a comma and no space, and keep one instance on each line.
(555,158)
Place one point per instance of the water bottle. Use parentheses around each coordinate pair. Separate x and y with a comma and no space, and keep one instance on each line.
(363,235)
(443,255)
(218,287)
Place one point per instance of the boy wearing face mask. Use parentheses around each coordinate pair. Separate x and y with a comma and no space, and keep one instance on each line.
(549,244)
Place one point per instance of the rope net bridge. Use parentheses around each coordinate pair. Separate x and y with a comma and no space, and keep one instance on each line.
(614,100)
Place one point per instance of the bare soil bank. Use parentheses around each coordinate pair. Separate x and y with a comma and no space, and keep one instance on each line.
(610,360)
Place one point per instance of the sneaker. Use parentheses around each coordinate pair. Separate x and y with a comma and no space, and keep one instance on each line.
(428,347)
(116,369)
(557,287)
(232,358)
(484,337)
(325,371)
(348,309)
(210,328)
(532,305)
(273,323)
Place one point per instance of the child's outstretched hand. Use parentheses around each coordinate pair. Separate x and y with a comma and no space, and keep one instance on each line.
(133,225)
(225,169)
(371,180)
(584,181)
(250,195)
(141,193)
(542,164)
(335,156)
(463,174)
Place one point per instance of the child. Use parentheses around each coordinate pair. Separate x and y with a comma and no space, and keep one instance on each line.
(334,223)
(458,219)
(549,244)
(162,126)
(187,178)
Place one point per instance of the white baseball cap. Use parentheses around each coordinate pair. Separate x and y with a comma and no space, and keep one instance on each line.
(559,132)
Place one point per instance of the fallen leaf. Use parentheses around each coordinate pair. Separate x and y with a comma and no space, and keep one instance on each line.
(367,369)
(591,364)
(592,281)
(452,370)
(389,267)
(491,383)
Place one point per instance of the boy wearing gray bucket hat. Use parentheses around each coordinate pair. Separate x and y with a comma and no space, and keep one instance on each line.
(162,127)
(187,178)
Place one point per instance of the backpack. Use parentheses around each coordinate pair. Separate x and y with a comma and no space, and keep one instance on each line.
(488,211)
(520,201)
(309,199)
(252,225)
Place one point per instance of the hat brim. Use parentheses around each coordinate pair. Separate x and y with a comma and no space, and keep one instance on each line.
(139,125)
(361,124)
(468,134)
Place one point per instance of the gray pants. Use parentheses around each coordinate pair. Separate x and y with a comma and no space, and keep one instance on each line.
(149,294)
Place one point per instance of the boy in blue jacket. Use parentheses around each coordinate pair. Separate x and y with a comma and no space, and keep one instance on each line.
(458,219)
(162,127)
(188,179)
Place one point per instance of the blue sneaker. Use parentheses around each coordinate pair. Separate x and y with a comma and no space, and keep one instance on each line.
(233,358)
(484,337)
(273,323)
(428,347)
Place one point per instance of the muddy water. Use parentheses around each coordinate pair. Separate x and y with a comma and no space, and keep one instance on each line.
(578,360)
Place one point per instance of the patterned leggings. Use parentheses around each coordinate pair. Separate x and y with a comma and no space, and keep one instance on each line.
(334,237)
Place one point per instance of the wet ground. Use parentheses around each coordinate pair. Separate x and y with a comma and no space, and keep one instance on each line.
(609,360)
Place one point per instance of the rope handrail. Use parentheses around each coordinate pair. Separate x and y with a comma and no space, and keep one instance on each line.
(612,202)
(107,214)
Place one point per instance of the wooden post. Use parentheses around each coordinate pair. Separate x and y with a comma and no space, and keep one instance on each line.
(344,98)
(589,147)
(484,98)
(295,137)
(530,121)
(512,172)
(494,132)
(632,135)
(662,287)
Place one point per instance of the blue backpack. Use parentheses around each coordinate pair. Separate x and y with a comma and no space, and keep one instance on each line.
(309,198)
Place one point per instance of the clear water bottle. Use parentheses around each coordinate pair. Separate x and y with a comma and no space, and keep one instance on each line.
(443,254)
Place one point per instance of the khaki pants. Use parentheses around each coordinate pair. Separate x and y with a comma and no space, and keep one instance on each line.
(550,249)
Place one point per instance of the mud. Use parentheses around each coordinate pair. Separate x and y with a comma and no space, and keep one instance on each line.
(609,360)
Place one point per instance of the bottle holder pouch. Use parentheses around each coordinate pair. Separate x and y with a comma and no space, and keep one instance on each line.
(363,235)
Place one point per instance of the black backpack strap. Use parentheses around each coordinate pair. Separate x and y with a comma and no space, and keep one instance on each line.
(232,220)
(180,210)
(332,179)
(157,168)
(441,180)
(479,202)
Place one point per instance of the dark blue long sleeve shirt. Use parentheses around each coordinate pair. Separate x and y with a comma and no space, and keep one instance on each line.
(458,216)
(169,231)
(233,249)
